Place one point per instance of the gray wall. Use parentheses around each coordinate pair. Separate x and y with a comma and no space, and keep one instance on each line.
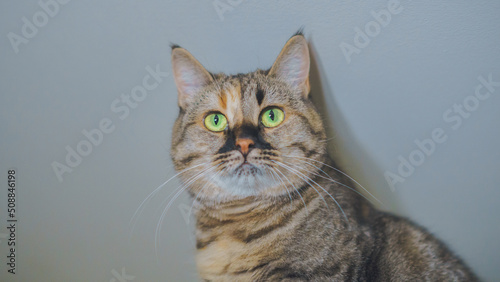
(69,75)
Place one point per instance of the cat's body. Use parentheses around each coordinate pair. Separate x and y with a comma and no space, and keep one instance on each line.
(273,241)
(269,203)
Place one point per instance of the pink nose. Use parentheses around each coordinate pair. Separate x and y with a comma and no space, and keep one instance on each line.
(244,144)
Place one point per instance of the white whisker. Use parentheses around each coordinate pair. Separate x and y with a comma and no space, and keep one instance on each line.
(294,188)
(139,210)
(307,181)
(274,173)
(329,178)
(213,176)
(179,191)
(341,172)
(294,170)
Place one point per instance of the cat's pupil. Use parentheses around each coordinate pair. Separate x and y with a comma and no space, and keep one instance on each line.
(271,115)
(216,119)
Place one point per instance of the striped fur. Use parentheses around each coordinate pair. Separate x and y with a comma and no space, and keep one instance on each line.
(281,212)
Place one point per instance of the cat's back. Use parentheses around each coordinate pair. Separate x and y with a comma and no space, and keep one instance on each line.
(408,252)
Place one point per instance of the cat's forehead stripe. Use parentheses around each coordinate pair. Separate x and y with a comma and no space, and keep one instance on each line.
(223,100)
(259,95)
(232,101)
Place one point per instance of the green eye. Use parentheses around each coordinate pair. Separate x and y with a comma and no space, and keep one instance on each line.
(216,122)
(272,117)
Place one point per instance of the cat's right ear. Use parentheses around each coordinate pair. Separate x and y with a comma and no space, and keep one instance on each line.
(189,75)
(292,64)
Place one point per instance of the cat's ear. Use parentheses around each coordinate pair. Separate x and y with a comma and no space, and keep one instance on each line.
(292,64)
(189,75)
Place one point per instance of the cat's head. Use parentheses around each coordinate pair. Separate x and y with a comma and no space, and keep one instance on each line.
(255,134)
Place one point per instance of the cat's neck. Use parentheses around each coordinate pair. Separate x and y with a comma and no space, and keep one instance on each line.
(253,211)
(238,209)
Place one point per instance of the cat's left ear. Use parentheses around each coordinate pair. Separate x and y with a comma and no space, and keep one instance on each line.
(292,64)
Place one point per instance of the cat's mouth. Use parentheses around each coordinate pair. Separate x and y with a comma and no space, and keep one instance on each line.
(244,175)
(246,169)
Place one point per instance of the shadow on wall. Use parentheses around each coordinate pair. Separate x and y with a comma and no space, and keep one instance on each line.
(343,146)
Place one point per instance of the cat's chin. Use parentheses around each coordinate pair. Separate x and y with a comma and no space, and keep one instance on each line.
(246,180)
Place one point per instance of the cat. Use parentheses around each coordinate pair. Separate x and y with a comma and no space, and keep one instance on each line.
(269,203)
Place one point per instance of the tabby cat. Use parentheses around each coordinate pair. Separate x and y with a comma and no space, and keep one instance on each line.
(269,203)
